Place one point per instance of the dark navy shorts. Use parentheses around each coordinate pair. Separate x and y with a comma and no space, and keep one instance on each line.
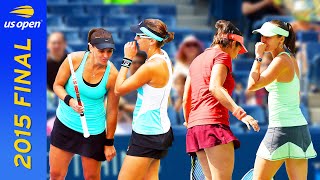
(72,141)
(151,146)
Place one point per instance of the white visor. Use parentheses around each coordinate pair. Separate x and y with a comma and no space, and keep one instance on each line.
(268,29)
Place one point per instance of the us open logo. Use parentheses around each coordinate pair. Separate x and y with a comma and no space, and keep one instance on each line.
(24,12)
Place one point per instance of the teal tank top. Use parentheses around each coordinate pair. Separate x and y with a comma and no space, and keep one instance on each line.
(284,103)
(92,98)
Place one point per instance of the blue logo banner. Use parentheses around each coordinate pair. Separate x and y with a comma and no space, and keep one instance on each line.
(23,90)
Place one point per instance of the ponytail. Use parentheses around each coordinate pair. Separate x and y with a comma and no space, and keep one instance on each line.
(290,41)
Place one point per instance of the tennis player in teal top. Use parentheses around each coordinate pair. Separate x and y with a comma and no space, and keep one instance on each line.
(287,139)
(96,77)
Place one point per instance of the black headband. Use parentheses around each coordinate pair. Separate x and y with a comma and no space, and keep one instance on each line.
(101,40)
(102,43)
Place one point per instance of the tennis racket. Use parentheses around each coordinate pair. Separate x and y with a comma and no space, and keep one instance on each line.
(196,170)
(76,89)
(249,175)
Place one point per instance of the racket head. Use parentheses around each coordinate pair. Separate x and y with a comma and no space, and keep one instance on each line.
(193,167)
(248,175)
(196,172)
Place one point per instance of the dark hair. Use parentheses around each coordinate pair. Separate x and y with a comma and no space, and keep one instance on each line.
(161,28)
(98,33)
(290,41)
(225,27)
(142,54)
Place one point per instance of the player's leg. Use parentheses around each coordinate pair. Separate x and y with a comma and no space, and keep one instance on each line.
(297,168)
(202,157)
(91,168)
(59,161)
(265,169)
(221,161)
(134,168)
(153,170)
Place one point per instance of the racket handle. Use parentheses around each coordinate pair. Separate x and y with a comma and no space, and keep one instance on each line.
(86,133)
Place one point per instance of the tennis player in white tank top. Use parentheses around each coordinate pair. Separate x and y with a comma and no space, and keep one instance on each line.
(151,136)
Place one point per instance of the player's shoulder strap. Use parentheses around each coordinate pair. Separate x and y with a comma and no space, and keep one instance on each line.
(85,56)
(107,73)
(284,52)
(82,63)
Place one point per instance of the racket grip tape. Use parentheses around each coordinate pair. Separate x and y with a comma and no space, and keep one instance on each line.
(86,133)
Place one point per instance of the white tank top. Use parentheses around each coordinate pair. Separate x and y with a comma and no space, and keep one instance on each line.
(150,116)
